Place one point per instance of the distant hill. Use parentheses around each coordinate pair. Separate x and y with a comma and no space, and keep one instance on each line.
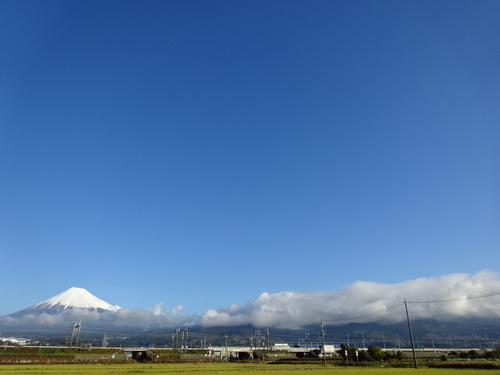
(462,334)
(50,319)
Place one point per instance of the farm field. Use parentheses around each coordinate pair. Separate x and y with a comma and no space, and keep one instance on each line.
(225,369)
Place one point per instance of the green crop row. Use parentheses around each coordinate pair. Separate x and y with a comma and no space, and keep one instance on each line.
(223,368)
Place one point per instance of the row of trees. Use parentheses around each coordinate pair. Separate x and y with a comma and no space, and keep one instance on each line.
(474,354)
(375,353)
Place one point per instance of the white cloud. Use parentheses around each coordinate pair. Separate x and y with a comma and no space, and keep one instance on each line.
(361,301)
(157,309)
(367,302)
(123,318)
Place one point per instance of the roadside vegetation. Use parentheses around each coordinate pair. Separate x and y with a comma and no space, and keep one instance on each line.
(349,360)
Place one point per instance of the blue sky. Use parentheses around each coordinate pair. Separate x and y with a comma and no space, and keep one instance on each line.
(200,153)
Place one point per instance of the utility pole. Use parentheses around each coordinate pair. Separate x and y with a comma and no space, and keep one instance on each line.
(268,344)
(322,324)
(105,341)
(411,334)
(227,354)
(257,344)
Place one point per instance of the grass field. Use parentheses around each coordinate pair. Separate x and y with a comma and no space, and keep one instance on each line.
(224,369)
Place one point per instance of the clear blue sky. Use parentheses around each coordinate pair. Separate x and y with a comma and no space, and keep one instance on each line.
(199,153)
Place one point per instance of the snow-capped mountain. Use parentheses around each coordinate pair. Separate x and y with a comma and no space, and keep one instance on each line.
(71,299)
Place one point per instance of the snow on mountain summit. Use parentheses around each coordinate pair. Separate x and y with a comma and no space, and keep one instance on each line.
(73,298)
(77,297)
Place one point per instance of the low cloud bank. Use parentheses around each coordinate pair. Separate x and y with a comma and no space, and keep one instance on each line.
(122,319)
(444,298)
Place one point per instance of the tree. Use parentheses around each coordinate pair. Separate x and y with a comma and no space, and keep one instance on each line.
(376,353)
(351,352)
(495,353)
(473,354)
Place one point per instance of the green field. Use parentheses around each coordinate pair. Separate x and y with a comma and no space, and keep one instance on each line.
(225,368)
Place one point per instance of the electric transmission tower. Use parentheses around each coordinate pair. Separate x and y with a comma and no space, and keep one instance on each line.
(74,339)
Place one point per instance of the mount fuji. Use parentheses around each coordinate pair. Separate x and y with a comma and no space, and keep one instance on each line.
(71,299)
(77,304)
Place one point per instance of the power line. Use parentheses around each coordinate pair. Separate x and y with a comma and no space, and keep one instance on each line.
(459,298)
(398,305)
(388,309)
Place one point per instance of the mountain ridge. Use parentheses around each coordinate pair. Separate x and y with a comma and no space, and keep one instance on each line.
(70,299)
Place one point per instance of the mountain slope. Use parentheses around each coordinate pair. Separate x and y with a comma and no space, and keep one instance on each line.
(73,298)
